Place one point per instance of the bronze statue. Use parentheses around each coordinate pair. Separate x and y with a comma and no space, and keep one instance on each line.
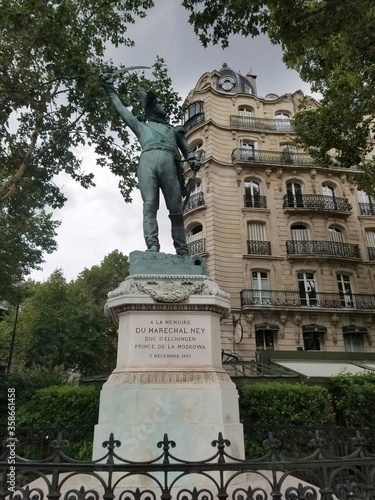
(159,164)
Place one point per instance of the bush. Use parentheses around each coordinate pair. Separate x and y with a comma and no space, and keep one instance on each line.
(68,409)
(279,407)
(353,398)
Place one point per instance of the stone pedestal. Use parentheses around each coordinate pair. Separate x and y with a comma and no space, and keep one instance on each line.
(169,377)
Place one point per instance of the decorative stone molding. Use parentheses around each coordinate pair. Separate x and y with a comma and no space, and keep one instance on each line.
(249,320)
(297,320)
(282,320)
(334,320)
(169,377)
(268,173)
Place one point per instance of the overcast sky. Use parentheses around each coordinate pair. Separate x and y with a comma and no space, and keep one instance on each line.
(97,221)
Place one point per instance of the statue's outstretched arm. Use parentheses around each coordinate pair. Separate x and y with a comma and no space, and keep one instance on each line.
(127,116)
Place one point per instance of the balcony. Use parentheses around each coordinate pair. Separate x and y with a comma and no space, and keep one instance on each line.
(255,201)
(371,253)
(252,123)
(247,155)
(321,203)
(279,298)
(195,201)
(258,247)
(197,247)
(334,249)
(366,209)
(194,121)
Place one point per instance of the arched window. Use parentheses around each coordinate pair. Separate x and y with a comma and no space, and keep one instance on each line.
(194,115)
(335,234)
(299,232)
(195,241)
(294,194)
(329,193)
(283,122)
(366,203)
(253,196)
(245,111)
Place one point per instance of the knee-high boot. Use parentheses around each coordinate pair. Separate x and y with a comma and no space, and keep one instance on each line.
(178,234)
(150,227)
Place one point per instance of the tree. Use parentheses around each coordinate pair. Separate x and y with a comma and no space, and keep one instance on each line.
(64,324)
(51,106)
(331,44)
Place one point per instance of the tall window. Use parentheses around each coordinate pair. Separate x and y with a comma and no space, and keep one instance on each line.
(311,341)
(248,149)
(307,288)
(366,203)
(252,194)
(195,240)
(257,243)
(193,115)
(329,196)
(260,287)
(370,238)
(294,194)
(300,237)
(345,290)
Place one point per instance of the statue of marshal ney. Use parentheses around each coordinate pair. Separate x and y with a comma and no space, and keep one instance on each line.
(159,164)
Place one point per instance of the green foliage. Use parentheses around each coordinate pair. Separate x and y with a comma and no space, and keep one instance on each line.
(25,384)
(331,45)
(354,399)
(64,324)
(278,406)
(68,409)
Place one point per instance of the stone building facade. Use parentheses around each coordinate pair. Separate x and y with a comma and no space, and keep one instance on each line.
(292,242)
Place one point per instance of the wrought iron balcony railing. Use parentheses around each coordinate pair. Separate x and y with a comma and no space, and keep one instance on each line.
(316,202)
(194,121)
(297,299)
(271,157)
(326,248)
(196,247)
(259,247)
(366,209)
(250,122)
(371,253)
(256,201)
(196,200)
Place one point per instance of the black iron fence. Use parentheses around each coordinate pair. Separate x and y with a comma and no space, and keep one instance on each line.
(255,201)
(366,209)
(316,202)
(326,248)
(294,298)
(196,200)
(258,247)
(325,472)
(250,122)
(197,247)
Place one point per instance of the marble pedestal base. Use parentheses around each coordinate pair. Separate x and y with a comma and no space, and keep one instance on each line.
(169,378)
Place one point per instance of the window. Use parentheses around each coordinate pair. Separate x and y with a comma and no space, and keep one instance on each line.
(329,196)
(294,194)
(248,148)
(260,287)
(264,336)
(257,243)
(194,115)
(345,290)
(283,122)
(195,240)
(307,288)
(353,336)
(311,341)
(335,234)
(300,237)
(366,203)
(252,194)
(246,112)
(370,237)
